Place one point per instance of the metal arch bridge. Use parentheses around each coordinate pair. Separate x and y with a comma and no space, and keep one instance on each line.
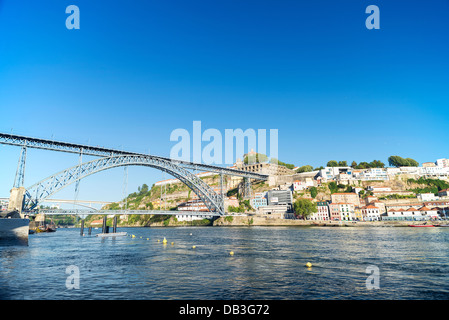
(111,159)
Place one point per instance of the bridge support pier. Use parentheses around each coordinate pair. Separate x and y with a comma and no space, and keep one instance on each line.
(247,188)
(104,229)
(16,199)
(114,225)
(82,228)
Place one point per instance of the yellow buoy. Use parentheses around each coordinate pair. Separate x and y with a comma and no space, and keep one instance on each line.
(172,243)
(164,241)
(308,265)
(231,253)
(148,238)
(158,240)
(193,247)
(133,236)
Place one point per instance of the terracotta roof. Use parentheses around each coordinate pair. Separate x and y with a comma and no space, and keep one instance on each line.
(423,209)
(411,209)
(371,207)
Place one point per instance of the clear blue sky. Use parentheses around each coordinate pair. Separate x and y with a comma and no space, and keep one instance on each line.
(136,70)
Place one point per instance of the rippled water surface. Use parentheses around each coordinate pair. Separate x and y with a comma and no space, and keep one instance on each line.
(268,263)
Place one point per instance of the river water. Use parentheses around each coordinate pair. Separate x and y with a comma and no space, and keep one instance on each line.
(268,263)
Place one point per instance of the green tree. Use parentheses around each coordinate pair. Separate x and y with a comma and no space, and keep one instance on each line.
(305,168)
(313,192)
(342,164)
(412,162)
(376,164)
(353,164)
(304,207)
(333,187)
(332,163)
(363,165)
(397,161)
(256,158)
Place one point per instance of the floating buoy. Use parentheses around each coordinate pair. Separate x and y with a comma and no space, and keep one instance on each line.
(308,265)
(133,236)
(231,253)
(190,234)
(172,243)
(164,241)
(193,247)
(158,240)
(148,238)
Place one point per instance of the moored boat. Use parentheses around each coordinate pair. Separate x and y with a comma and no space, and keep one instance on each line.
(421,225)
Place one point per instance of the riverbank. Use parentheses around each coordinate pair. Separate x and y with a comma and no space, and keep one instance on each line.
(266,221)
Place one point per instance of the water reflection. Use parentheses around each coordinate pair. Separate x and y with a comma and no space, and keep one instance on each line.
(268,263)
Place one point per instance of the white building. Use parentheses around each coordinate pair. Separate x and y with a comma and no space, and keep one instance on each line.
(374,174)
(331,173)
(427,197)
(443,163)
(422,213)
(437,172)
(371,213)
(322,213)
(378,189)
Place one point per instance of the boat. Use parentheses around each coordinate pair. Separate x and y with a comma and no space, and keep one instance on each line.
(421,225)
(45,228)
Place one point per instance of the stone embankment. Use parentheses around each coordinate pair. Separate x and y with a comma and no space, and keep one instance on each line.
(266,221)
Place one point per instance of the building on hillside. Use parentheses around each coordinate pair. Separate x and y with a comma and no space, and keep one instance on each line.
(428,164)
(299,185)
(358,213)
(331,173)
(434,172)
(341,211)
(370,213)
(276,211)
(265,168)
(346,197)
(259,200)
(369,199)
(443,163)
(380,205)
(279,197)
(423,213)
(231,201)
(322,213)
(426,196)
(378,189)
(193,205)
(443,193)
(373,174)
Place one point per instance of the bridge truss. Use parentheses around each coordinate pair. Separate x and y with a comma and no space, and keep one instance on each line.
(112,158)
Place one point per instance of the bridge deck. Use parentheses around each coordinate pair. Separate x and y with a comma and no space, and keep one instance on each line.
(51,212)
(29,142)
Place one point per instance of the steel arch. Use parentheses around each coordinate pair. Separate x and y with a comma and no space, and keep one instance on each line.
(48,186)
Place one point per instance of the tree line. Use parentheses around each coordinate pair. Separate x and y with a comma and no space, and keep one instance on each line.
(393,161)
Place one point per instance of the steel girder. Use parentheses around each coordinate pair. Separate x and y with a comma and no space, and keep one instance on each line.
(47,187)
(15,140)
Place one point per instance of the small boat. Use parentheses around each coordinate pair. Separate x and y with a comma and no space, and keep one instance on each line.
(421,225)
